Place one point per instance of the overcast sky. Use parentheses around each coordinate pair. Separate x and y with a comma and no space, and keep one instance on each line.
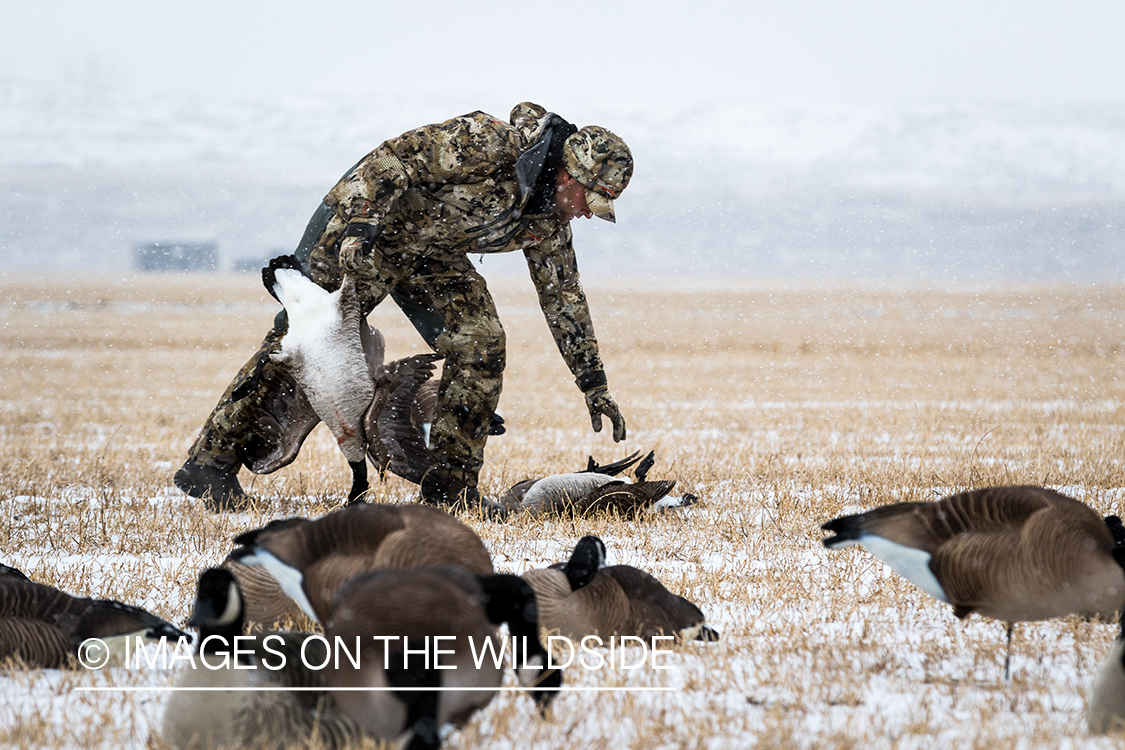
(649,52)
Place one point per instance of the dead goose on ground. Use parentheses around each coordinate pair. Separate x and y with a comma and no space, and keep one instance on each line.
(201,716)
(597,489)
(1014,554)
(585,597)
(45,627)
(310,559)
(390,612)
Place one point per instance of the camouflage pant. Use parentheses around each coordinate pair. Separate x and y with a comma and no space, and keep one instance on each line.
(470,338)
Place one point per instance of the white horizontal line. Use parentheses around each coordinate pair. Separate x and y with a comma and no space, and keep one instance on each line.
(564,689)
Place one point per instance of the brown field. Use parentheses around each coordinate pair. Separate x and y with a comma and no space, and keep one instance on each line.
(779,404)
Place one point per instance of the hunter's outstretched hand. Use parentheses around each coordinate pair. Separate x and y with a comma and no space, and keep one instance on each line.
(599,402)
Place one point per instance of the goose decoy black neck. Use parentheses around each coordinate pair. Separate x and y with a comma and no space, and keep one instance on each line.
(508,598)
(421,705)
(1117,529)
(218,609)
(585,562)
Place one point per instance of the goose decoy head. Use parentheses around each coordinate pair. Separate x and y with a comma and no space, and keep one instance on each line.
(508,598)
(218,603)
(585,562)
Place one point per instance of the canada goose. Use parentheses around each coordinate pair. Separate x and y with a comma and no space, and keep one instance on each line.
(1106,712)
(323,350)
(332,369)
(204,718)
(398,421)
(598,488)
(45,627)
(584,597)
(417,605)
(310,559)
(1010,553)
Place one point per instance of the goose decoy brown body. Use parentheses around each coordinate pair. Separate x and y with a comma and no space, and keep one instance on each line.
(45,627)
(310,559)
(597,489)
(1010,553)
(1106,711)
(584,597)
(255,712)
(392,610)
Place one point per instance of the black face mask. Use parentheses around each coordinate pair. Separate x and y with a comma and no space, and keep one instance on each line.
(537,167)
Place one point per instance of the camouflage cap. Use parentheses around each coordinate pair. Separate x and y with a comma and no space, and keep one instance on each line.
(602,162)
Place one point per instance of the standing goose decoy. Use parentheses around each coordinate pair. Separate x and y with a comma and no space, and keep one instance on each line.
(310,559)
(584,597)
(389,609)
(45,627)
(205,718)
(597,489)
(1014,554)
(1106,711)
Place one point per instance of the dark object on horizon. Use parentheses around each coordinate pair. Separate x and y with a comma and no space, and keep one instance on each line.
(176,256)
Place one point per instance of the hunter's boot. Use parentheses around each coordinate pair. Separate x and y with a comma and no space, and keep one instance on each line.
(439,488)
(219,488)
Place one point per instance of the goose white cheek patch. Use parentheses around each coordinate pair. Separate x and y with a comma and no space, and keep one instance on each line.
(909,562)
(287,577)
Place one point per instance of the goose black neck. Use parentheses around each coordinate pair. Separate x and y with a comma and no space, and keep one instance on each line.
(582,567)
(215,639)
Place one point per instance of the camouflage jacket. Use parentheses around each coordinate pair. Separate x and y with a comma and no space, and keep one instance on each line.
(452,189)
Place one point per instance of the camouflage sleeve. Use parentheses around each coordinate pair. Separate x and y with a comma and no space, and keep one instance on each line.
(554,270)
(461,150)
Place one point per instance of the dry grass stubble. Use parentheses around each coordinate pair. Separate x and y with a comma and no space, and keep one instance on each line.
(779,405)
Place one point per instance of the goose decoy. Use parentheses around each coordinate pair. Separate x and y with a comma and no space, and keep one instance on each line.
(265,606)
(1106,712)
(1014,554)
(45,627)
(584,597)
(388,611)
(597,489)
(205,717)
(310,559)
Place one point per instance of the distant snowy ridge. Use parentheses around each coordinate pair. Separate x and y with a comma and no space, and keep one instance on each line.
(987,190)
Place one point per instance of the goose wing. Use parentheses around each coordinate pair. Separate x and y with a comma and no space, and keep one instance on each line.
(614,468)
(395,440)
(36,643)
(279,425)
(623,499)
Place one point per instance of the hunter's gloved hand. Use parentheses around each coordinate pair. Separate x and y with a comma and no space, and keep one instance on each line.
(356,256)
(599,402)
